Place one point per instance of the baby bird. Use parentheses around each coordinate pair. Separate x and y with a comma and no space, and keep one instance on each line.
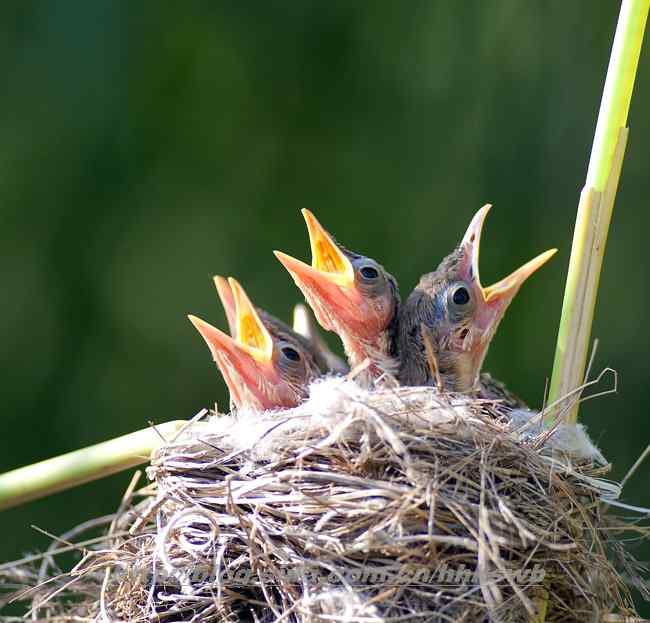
(266,365)
(304,328)
(451,318)
(352,295)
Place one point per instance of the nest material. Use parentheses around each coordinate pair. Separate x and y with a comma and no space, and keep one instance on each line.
(393,505)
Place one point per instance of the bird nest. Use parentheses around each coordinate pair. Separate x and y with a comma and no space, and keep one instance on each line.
(399,504)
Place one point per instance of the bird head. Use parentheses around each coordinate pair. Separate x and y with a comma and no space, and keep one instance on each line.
(265,365)
(465,314)
(350,294)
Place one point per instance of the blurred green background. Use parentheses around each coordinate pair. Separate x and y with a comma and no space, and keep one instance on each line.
(147,146)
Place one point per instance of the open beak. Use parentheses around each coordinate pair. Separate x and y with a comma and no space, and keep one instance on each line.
(328,284)
(251,332)
(509,286)
(244,322)
(494,300)
(228,301)
(326,257)
(249,376)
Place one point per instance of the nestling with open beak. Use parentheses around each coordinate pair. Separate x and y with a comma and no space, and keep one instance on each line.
(304,329)
(266,365)
(458,315)
(352,295)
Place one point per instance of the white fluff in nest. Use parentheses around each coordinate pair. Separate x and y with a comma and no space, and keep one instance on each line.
(334,401)
(265,433)
(569,438)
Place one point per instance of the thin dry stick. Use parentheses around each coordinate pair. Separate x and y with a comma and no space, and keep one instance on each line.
(637,464)
(432,360)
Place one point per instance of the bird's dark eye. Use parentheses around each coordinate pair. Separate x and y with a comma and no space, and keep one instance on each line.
(291,353)
(368,272)
(461,296)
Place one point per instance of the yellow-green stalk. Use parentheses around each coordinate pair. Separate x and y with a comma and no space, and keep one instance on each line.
(75,468)
(595,207)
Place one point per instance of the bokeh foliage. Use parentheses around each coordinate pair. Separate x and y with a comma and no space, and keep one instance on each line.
(147,146)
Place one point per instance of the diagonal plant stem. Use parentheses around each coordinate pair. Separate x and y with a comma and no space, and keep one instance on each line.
(596,205)
(75,468)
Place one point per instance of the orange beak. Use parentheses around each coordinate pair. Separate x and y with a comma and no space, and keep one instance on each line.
(329,285)
(492,301)
(251,332)
(327,258)
(246,362)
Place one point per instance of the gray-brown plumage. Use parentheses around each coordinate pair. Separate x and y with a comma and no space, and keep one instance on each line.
(451,318)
